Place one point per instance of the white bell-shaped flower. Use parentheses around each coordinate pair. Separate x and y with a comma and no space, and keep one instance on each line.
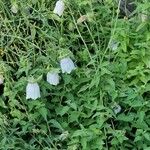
(117,109)
(113,45)
(1,79)
(32,91)
(53,78)
(14,8)
(144,17)
(67,65)
(59,7)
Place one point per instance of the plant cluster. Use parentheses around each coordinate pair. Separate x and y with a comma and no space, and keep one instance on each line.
(102,101)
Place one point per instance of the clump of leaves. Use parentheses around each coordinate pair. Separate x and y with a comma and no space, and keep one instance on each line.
(78,113)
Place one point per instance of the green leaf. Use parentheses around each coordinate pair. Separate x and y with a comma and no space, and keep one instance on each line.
(43,112)
(126,118)
(56,124)
(74,115)
(147,136)
(62,110)
(141,26)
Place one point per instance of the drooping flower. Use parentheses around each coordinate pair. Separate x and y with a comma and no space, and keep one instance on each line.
(67,65)
(117,109)
(33,91)
(14,8)
(59,7)
(1,79)
(53,78)
(113,45)
(144,17)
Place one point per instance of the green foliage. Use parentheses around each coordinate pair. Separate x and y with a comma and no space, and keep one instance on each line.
(78,113)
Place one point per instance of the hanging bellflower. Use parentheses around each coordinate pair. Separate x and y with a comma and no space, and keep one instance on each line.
(59,7)
(117,109)
(67,65)
(113,45)
(32,91)
(53,78)
(14,8)
(144,17)
(1,79)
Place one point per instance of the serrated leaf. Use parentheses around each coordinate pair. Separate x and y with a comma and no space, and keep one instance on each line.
(43,112)
(56,124)
(126,118)
(62,110)
(147,136)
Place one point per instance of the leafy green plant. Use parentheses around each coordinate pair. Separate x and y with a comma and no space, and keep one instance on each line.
(78,113)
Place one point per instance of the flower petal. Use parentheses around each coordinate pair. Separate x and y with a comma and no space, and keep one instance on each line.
(67,65)
(32,91)
(1,79)
(59,7)
(53,78)
(14,8)
(114,45)
(117,109)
